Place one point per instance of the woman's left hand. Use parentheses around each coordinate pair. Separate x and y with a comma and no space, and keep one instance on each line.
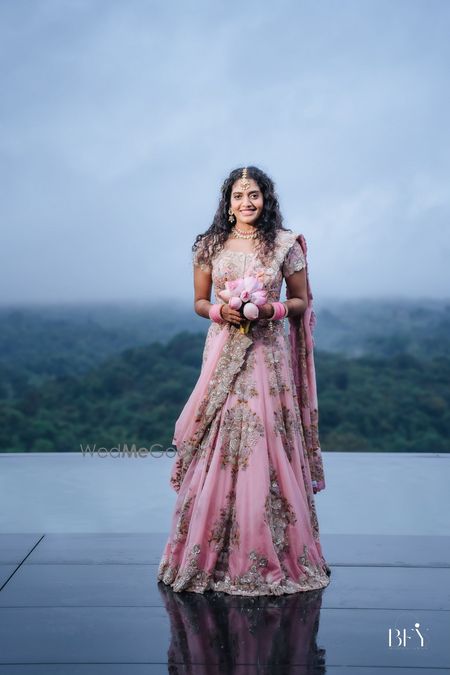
(265,311)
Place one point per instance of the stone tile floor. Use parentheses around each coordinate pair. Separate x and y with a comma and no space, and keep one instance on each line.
(89,604)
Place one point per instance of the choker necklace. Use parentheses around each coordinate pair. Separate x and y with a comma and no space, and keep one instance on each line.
(239,234)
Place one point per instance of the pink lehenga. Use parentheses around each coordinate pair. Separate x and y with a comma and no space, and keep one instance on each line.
(248,456)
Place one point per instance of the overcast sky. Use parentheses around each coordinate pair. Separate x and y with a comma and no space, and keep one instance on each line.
(120,120)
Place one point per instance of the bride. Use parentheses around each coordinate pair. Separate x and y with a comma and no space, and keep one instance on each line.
(248,456)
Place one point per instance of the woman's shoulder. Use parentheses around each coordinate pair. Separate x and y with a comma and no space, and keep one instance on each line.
(291,251)
(286,240)
(201,255)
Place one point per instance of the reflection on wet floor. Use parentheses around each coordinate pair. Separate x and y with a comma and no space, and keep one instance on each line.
(237,630)
(85,604)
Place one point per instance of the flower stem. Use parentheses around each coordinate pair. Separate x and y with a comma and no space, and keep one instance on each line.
(244,327)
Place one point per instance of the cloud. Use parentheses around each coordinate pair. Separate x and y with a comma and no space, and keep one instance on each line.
(119,123)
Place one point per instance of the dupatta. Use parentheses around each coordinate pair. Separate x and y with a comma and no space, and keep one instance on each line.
(302,357)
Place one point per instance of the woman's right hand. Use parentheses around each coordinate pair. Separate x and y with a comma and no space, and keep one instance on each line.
(230,315)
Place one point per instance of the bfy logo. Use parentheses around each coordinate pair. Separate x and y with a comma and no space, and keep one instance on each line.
(407,637)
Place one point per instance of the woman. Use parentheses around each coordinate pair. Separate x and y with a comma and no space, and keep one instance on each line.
(248,457)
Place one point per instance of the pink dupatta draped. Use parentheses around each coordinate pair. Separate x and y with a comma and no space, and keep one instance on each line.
(302,356)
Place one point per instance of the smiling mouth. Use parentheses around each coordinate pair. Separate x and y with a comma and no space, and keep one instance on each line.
(248,211)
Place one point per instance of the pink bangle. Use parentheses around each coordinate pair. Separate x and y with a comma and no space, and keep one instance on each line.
(279,312)
(214,313)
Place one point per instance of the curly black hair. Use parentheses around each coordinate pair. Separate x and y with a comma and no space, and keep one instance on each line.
(209,243)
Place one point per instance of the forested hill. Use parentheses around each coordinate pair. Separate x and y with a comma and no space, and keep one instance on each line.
(355,328)
(70,382)
(133,397)
(41,343)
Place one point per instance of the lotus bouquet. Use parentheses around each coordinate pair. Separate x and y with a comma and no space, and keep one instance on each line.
(245,294)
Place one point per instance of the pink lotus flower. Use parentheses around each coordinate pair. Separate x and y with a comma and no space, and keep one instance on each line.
(246,293)
(235,302)
(251,311)
(258,297)
(225,294)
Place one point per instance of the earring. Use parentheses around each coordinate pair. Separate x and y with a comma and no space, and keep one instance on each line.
(231,217)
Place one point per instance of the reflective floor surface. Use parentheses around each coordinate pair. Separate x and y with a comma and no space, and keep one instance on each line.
(89,604)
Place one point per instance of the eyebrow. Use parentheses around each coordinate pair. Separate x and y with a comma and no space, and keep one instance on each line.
(239,191)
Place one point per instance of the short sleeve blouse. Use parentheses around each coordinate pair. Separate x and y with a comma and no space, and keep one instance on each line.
(294,260)
(195,256)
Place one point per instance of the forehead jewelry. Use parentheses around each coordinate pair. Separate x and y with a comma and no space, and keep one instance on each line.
(244,180)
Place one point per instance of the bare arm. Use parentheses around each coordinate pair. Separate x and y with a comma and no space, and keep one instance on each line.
(202,291)
(202,298)
(297,303)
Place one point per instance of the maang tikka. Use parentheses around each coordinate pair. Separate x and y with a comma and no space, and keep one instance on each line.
(245,183)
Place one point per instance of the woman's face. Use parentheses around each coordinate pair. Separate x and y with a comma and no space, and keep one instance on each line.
(246,204)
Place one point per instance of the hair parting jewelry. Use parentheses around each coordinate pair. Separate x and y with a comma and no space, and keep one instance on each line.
(245,183)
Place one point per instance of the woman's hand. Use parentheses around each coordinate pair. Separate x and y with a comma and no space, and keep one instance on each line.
(230,315)
(265,311)
(233,315)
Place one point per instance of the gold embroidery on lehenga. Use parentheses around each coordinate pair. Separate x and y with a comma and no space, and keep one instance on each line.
(240,431)
(192,572)
(268,331)
(255,581)
(166,571)
(311,569)
(289,427)
(274,359)
(228,365)
(278,513)
(183,520)
(226,535)
(225,530)
(254,577)
(244,386)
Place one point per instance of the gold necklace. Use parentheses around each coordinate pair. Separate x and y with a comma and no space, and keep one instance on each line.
(239,234)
